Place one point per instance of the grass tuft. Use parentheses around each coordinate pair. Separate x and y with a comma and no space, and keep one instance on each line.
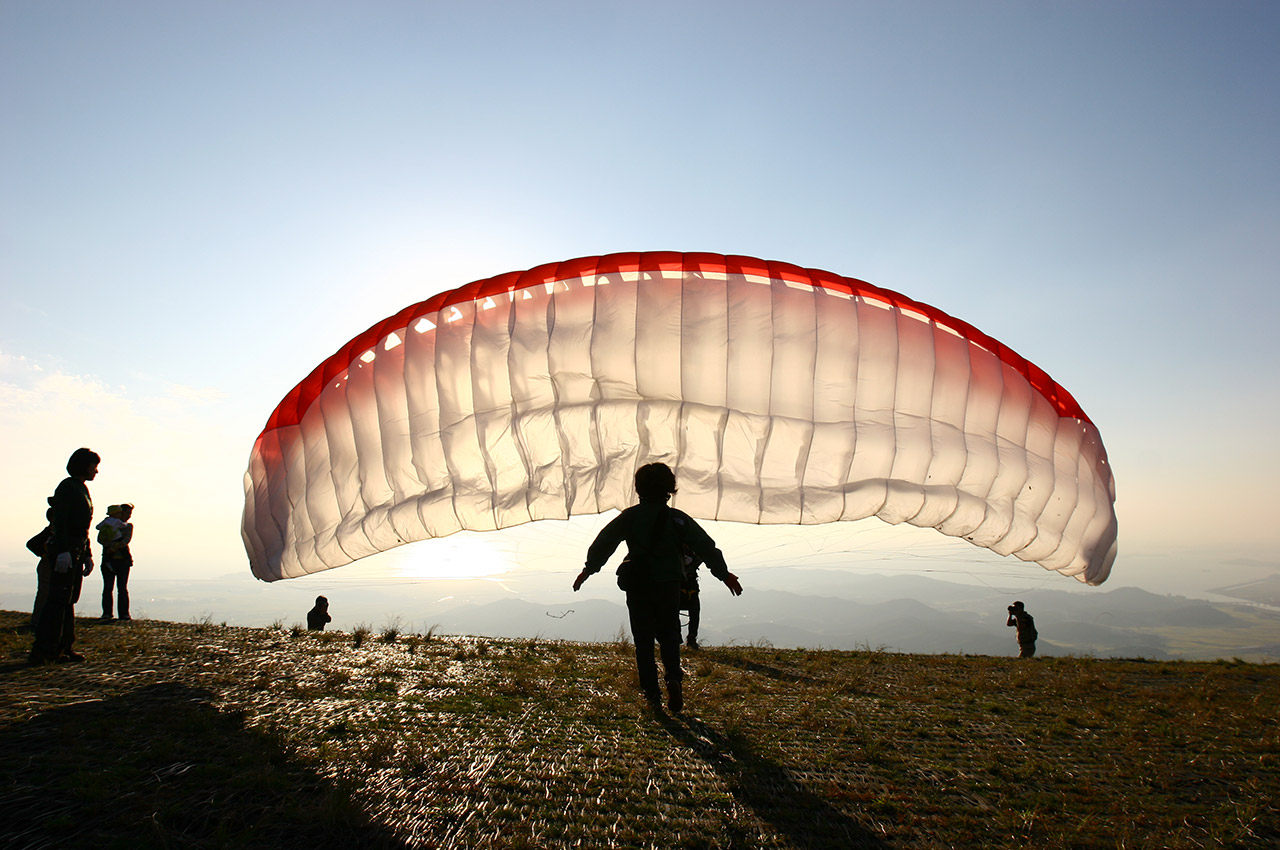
(391,631)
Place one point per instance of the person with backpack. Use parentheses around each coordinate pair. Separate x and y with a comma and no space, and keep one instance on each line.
(68,560)
(652,573)
(37,545)
(114,534)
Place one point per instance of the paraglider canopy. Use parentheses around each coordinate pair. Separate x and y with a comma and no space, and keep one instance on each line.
(778,394)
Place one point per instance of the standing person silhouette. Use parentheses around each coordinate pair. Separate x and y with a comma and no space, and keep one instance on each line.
(318,616)
(36,545)
(690,597)
(115,533)
(656,536)
(1026,625)
(68,559)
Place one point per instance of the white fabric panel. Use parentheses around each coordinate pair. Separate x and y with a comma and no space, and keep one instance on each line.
(395,459)
(834,383)
(533,402)
(913,432)
(874,441)
(569,359)
(750,345)
(741,452)
(775,401)
(985,388)
(505,466)
(948,453)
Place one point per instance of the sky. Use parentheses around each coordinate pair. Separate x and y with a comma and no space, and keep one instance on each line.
(199,202)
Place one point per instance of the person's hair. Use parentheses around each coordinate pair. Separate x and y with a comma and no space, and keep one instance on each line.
(320,600)
(82,460)
(1018,605)
(655,481)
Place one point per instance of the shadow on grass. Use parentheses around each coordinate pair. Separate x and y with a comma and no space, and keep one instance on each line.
(769,670)
(161,767)
(769,790)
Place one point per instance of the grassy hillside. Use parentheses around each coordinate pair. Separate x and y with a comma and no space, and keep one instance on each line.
(197,735)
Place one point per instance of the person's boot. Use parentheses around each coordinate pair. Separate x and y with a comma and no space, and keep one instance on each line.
(692,642)
(652,693)
(675,696)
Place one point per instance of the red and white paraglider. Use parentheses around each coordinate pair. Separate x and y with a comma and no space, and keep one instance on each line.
(778,395)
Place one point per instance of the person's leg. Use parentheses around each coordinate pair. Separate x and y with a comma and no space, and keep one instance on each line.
(68,640)
(108,581)
(122,592)
(667,626)
(42,593)
(1028,650)
(640,612)
(49,624)
(695,618)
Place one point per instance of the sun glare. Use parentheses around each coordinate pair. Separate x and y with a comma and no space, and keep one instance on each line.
(453,558)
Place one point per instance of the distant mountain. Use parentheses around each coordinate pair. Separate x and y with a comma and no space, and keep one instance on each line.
(1265,591)
(588,620)
(864,614)
(785,607)
(903,625)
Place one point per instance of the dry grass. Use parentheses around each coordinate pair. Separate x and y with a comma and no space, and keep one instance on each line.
(199,735)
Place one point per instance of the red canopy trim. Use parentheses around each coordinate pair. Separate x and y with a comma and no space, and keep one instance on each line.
(296,403)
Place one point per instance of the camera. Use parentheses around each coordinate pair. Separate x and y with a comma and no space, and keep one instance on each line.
(1010,609)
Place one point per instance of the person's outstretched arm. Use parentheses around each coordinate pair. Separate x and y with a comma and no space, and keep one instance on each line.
(602,548)
(705,548)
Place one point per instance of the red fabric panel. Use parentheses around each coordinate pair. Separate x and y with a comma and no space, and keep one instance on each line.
(300,398)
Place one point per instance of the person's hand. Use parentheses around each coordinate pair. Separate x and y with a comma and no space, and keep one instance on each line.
(582,576)
(62,563)
(735,586)
(88,567)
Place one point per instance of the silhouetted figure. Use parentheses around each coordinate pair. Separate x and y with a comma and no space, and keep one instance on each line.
(37,546)
(689,599)
(115,533)
(68,559)
(1026,625)
(656,535)
(319,615)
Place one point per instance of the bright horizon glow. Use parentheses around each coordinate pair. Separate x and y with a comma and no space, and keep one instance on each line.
(453,559)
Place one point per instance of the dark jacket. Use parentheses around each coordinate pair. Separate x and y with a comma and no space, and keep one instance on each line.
(72,515)
(316,619)
(663,552)
(1026,626)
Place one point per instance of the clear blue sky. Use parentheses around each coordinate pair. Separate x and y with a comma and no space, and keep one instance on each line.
(200,201)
